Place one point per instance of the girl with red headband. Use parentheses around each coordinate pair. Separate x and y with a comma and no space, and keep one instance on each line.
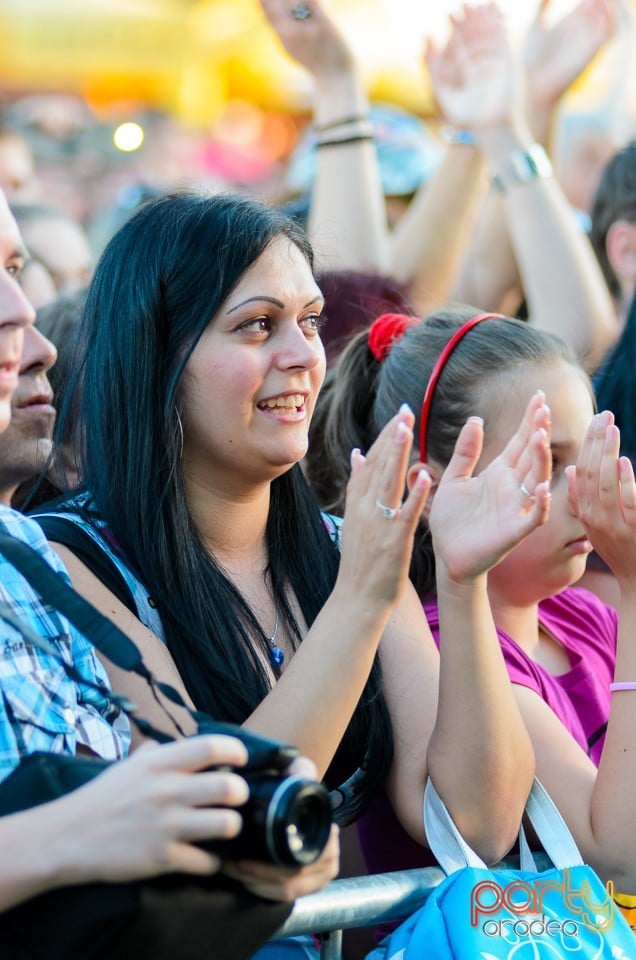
(573,668)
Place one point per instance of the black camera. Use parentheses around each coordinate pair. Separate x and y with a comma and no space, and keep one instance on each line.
(287,818)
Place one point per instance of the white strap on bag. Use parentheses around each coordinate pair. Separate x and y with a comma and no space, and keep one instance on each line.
(452,852)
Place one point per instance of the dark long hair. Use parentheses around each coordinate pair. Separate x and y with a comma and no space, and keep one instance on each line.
(159,281)
(361,395)
(615,384)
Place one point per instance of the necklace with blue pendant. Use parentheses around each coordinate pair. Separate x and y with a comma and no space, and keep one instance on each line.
(276,655)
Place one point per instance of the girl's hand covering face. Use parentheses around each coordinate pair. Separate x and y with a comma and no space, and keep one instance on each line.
(476,521)
(376,548)
(602,494)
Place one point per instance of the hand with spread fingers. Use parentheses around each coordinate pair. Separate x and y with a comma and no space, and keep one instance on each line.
(555,55)
(602,493)
(377,536)
(499,506)
(472,74)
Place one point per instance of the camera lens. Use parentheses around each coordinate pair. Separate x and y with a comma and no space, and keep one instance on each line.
(299,821)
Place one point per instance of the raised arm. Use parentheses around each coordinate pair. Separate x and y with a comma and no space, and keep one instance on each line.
(470,739)
(561,279)
(556,55)
(429,240)
(347,218)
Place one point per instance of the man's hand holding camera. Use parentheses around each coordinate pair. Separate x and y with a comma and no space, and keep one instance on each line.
(275,882)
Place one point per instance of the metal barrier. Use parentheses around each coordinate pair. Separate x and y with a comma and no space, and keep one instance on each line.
(368,901)
(359,902)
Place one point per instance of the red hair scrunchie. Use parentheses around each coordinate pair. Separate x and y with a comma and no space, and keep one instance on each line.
(387,330)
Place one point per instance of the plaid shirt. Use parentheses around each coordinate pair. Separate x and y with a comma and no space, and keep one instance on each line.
(40,707)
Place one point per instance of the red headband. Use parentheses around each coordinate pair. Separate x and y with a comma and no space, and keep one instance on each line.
(387,330)
(437,372)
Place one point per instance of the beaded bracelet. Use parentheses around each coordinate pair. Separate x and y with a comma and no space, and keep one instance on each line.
(359,138)
(622,685)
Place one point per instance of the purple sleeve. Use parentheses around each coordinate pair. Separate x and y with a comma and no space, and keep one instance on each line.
(521,668)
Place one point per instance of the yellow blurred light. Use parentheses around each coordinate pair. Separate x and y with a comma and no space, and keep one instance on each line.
(128,137)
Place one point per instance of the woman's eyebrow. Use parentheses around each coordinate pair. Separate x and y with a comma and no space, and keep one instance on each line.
(273,300)
(263,299)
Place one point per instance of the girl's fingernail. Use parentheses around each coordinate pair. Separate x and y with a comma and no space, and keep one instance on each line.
(405,409)
(477,419)
(422,478)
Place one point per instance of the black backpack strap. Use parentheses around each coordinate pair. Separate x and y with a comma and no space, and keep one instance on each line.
(102,632)
(69,534)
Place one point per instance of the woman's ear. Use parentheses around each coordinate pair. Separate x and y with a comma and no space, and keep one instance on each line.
(434,474)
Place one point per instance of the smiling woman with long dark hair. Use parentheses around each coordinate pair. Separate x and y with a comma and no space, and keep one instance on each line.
(201,365)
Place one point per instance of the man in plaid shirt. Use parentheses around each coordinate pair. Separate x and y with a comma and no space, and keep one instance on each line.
(41,708)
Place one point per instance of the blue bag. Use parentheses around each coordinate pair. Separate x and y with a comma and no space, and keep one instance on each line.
(481,913)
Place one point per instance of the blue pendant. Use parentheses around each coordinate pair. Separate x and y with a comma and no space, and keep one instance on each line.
(276,656)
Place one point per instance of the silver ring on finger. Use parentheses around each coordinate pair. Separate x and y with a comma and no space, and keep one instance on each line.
(526,492)
(301,11)
(387,512)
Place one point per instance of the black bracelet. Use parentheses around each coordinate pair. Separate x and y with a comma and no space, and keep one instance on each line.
(359,118)
(360,138)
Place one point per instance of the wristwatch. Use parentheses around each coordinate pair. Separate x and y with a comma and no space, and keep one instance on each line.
(523,166)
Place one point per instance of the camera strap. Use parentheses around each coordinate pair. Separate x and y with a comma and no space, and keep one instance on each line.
(105,635)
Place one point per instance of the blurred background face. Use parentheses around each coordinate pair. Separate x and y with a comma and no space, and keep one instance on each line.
(17,170)
(60,256)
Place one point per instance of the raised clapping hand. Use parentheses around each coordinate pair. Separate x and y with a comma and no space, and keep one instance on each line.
(602,493)
(377,547)
(556,55)
(315,42)
(473,74)
(476,520)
